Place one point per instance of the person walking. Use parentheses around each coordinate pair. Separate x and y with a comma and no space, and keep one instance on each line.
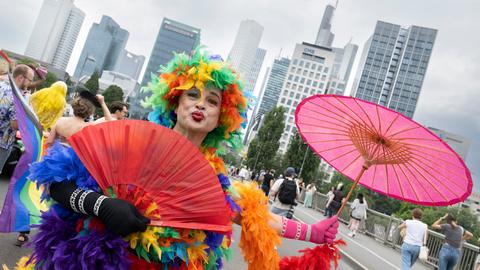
(311,189)
(415,237)
(337,200)
(284,193)
(267,182)
(328,208)
(358,211)
(454,236)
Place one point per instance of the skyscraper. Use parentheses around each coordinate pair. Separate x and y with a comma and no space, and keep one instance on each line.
(173,37)
(130,64)
(341,69)
(104,45)
(55,32)
(269,93)
(276,76)
(252,74)
(325,36)
(244,51)
(393,66)
(308,74)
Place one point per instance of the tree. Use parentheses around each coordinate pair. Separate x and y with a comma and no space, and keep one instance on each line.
(49,80)
(92,83)
(263,149)
(302,158)
(27,61)
(113,93)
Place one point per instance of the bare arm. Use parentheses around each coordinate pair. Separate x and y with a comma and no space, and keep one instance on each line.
(402,226)
(437,224)
(105,110)
(467,235)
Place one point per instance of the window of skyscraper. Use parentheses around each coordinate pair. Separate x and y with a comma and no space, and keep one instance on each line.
(302,80)
(301,63)
(296,79)
(299,71)
(305,72)
(307,65)
(295,61)
(319,69)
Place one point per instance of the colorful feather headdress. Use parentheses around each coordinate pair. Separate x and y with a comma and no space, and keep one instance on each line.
(201,71)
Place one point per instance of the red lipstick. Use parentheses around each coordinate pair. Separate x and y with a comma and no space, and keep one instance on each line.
(198,116)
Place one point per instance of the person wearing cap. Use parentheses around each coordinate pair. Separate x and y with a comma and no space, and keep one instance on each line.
(279,206)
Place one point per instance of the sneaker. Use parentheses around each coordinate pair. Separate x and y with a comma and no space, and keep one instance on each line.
(351,234)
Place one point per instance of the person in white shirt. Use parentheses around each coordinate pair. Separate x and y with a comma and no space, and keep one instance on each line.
(415,238)
(358,211)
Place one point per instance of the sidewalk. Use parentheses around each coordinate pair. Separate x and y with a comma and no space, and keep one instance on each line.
(366,250)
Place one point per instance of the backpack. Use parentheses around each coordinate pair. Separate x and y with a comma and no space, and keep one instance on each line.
(287,192)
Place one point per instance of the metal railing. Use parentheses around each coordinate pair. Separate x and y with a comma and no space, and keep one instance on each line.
(384,229)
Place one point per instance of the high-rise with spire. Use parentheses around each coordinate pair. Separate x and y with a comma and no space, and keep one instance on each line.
(325,36)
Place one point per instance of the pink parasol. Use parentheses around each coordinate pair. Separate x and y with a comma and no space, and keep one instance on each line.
(383,150)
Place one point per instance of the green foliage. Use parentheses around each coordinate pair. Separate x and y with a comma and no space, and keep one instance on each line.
(92,83)
(27,61)
(230,157)
(262,151)
(298,154)
(113,93)
(49,80)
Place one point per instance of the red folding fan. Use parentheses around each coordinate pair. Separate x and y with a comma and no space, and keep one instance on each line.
(142,163)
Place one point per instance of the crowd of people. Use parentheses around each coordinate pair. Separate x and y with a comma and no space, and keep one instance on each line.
(413,231)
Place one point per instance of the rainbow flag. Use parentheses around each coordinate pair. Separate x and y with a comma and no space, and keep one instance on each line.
(22,206)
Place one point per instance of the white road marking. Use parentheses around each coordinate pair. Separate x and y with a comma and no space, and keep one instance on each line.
(350,239)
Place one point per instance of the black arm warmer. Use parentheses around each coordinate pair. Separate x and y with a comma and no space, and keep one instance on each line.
(61,192)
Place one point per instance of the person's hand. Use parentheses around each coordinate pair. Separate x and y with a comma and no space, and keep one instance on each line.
(324,231)
(121,217)
(445,216)
(100,98)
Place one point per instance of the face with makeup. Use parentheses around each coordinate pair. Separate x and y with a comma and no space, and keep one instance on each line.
(198,114)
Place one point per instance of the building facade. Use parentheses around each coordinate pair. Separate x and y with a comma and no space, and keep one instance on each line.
(393,66)
(244,51)
(105,44)
(55,32)
(173,37)
(308,74)
(252,74)
(130,64)
(325,36)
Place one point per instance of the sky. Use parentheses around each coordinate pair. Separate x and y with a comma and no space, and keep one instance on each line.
(451,90)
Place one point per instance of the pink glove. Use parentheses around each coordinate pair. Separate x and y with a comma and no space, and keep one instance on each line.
(321,232)
(324,231)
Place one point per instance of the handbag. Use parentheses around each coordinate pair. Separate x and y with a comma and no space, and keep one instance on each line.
(423,256)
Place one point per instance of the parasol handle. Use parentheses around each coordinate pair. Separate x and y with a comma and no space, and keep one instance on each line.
(362,171)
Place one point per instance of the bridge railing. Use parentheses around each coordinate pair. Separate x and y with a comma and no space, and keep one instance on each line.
(383,228)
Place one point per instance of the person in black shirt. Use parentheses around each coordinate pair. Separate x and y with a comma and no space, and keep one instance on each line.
(268,181)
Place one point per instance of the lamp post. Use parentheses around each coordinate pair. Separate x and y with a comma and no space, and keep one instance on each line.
(303,162)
